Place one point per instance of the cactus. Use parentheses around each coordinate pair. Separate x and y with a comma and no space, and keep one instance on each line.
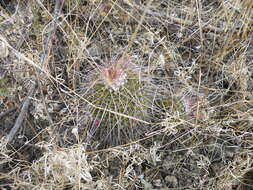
(119,86)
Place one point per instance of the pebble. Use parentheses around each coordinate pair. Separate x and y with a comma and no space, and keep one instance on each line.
(171,181)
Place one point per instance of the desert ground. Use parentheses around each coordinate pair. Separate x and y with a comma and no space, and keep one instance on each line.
(126,94)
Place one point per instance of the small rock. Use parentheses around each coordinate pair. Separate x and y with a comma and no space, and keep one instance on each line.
(171,181)
(158,183)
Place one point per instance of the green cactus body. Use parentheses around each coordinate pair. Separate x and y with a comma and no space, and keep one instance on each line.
(129,98)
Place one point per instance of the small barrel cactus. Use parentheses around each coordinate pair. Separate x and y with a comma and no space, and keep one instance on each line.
(121,87)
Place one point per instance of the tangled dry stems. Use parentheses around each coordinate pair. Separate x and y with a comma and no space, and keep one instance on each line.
(196,54)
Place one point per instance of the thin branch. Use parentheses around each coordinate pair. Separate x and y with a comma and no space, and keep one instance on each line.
(43,64)
(51,35)
(48,49)
(22,114)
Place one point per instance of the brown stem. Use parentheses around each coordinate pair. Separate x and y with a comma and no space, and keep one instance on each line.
(22,114)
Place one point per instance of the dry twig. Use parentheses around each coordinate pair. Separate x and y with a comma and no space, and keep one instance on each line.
(21,115)
(44,61)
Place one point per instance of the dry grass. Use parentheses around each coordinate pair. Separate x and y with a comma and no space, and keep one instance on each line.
(153,94)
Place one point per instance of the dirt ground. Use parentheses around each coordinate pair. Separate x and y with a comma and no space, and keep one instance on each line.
(126,94)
